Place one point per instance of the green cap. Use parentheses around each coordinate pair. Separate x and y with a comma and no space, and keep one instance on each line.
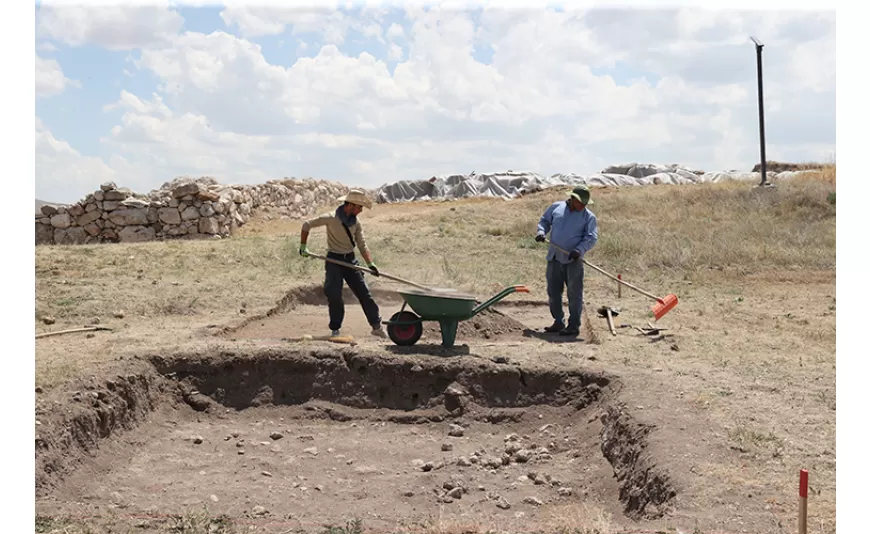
(581,193)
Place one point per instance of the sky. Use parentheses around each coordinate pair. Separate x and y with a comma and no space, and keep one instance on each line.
(366,95)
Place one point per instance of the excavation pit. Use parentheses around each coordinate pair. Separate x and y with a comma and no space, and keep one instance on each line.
(295,439)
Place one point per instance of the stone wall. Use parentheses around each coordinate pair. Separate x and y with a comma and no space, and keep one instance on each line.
(185,208)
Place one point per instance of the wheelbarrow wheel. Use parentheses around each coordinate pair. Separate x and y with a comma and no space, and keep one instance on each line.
(405,334)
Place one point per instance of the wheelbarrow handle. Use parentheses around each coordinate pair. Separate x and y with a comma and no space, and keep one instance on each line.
(605,273)
(363,269)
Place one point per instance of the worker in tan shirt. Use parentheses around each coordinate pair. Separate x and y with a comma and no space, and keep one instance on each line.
(344,233)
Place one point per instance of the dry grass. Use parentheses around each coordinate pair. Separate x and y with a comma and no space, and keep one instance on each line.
(650,235)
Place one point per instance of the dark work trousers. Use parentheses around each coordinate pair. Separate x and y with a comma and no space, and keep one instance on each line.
(336,275)
(560,275)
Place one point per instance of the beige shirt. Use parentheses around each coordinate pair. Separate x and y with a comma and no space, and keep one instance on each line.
(336,238)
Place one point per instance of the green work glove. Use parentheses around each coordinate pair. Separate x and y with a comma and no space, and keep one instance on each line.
(303,250)
(374,269)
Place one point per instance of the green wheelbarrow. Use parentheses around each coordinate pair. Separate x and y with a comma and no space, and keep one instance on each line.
(405,327)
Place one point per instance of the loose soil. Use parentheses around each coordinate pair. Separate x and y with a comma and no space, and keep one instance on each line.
(303,311)
(299,438)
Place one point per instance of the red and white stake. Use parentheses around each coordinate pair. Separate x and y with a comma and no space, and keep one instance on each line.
(802,503)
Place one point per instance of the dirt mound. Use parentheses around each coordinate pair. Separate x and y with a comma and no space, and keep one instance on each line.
(487,324)
(312,295)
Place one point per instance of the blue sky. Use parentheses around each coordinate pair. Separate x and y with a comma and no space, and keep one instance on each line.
(142,94)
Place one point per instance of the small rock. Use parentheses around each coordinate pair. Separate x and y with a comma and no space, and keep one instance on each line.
(416,368)
(492,462)
(455,493)
(235,434)
(266,474)
(311,450)
(49,319)
(214,498)
(456,431)
(319,488)
(428,466)
(533,501)
(276,448)
(418,463)
(38,389)
(408,493)
(241,452)
(522,456)
(446,447)
(511,437)
(259,511)
(240,443)
(197,440)
(512,448)
(503,503)
(463,462)
(565,492)
(118,314)
(276,435)
(675,348)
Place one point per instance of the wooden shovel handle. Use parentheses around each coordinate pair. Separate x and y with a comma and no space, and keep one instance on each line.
(605,273)
(363,269)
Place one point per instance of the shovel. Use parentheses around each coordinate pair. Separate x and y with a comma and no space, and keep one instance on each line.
(382,275)
(663,306)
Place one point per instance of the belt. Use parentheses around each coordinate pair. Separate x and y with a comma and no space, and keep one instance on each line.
(339,256)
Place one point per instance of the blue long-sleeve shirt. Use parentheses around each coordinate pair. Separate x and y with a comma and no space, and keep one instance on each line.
(570,230)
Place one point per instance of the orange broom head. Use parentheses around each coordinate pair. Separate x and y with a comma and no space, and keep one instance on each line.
(664,306)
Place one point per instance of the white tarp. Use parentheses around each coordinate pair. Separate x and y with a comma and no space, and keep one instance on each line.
(513,184)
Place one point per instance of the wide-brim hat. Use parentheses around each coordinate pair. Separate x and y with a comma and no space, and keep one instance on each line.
(355,196)
(581,193)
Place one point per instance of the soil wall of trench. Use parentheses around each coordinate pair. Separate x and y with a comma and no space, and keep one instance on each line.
(73,423)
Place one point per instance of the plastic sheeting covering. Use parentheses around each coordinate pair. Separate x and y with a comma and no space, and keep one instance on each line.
(513,184)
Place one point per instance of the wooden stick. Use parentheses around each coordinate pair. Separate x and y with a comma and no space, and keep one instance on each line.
(363,269)
(608,275)
(802,503)
(619,286)
(333,339)
(610,321)
(85,329)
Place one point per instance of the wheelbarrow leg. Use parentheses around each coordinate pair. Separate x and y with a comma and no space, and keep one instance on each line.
(448,331)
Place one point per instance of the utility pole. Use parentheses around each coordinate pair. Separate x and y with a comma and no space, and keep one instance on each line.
(758,47)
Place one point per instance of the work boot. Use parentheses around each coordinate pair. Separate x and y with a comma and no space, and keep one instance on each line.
(378,331)
(555,327)
(336,333)
(570,331)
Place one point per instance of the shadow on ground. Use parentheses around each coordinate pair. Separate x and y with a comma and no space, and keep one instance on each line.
(552,338)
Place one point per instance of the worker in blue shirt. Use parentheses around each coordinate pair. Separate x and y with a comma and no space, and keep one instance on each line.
(574,228)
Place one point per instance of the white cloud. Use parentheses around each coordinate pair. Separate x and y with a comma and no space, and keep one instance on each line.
(396,53)
(542,103)
(50,80)
(63,174)
(115,27)
(324,21)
